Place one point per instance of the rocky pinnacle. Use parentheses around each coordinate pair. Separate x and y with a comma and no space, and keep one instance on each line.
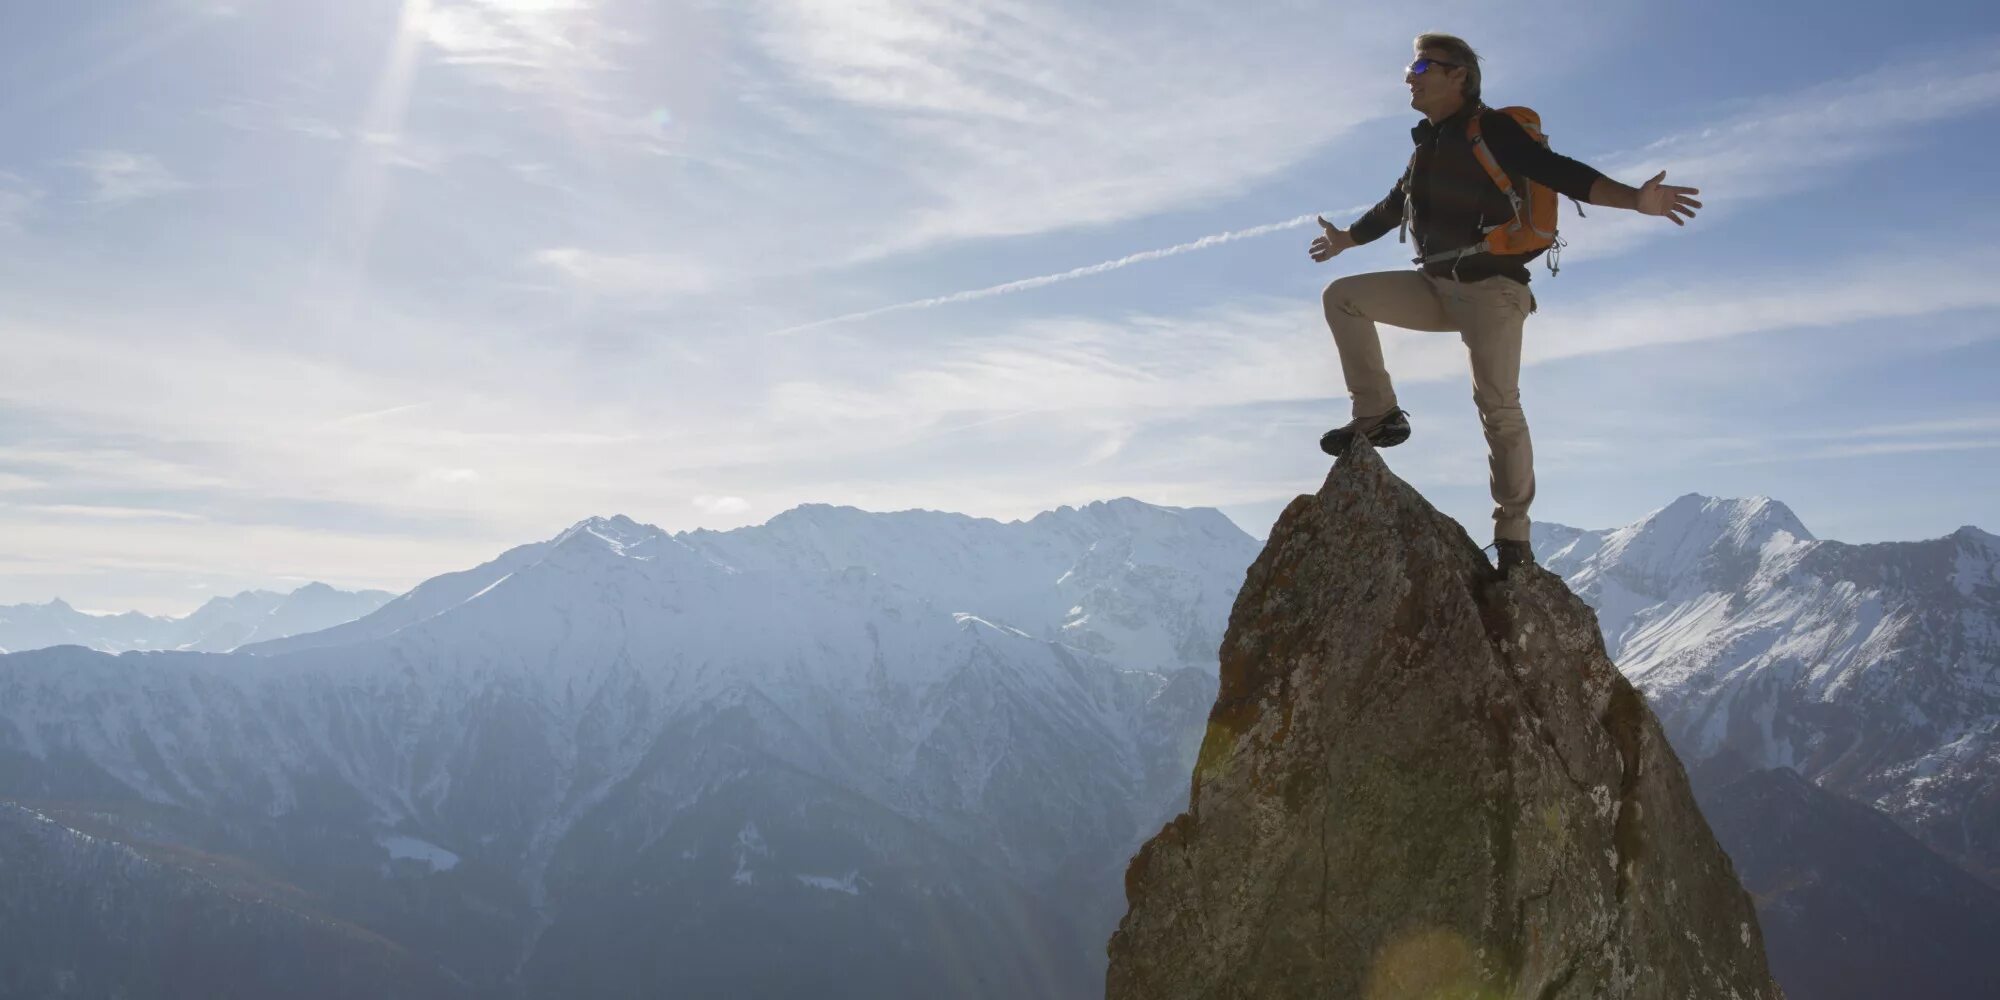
(1422,781)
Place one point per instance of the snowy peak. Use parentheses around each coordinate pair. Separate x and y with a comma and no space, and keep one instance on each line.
(587,563)
(1697,524)
(311,608)
(1971,535)
(1976,573)
(1698,544)
(617,534)
(618,545)
(234,614)
(1128,515)
(827,514)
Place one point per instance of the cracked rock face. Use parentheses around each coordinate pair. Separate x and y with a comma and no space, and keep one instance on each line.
(1421,781)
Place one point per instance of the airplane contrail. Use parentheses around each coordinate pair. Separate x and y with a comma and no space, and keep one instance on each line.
(1024,284)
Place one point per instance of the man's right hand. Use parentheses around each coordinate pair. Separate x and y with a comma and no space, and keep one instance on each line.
(1330,243)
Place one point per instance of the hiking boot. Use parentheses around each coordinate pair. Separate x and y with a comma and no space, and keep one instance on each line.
(1508,553)
(1385,430)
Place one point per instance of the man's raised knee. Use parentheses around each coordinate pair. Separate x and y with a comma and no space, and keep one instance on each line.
(1339,295)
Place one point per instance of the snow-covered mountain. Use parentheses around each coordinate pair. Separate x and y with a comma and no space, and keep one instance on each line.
(892,751)
(623,758)
(221,624)
(1873,670)
(1139,585)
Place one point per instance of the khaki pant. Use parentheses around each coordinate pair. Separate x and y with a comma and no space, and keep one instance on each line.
(1487,315)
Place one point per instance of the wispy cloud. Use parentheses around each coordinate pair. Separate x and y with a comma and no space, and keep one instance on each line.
(118,176)
(1796,141)
(383,413)
(1250,352)
(1755,153)
(628,275)
(535,37)
(1975,433)
(394,149)
(1089,270)
(104,468)
(113,512)
(1852,291)
(1025,118)
(268,117)
(721,504)
(563,55)
(1862,450)
(1912,428)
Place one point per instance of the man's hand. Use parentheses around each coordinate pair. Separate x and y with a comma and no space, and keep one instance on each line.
(1655,198)
(1330,243)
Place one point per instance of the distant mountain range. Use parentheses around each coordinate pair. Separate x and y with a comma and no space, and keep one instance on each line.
(856,754)
(838,754)
(220,625)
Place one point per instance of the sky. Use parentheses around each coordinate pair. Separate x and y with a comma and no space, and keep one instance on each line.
(365,291)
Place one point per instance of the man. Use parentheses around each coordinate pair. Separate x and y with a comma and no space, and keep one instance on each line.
(1448,200)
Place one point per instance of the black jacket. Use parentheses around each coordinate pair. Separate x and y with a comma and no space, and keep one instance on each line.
(1450,198)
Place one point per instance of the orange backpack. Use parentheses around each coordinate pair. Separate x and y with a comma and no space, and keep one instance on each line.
(1534,224)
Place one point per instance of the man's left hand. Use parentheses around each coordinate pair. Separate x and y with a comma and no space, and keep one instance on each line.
(1673,202)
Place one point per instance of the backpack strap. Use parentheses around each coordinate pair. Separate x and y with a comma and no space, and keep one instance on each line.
(1453,255)
(1409,170)
(1491,165)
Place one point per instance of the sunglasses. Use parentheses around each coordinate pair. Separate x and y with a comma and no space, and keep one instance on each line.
(1424,62)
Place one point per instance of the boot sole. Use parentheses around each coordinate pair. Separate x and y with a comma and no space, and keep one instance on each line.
(1390,438)
(1382,439)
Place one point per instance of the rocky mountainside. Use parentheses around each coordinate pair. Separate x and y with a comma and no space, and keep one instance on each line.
(1853,907)
(222,624)
(1419,780)
(844,754)
(1873,670)
(88,917)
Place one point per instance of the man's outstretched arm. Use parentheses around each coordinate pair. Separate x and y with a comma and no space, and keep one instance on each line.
(1517,152)
(1386,215)
(1372,224)
(1650,198)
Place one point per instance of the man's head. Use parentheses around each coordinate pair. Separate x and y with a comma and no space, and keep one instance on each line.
(1449,77)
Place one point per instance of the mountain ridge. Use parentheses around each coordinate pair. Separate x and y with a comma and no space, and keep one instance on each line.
(218,625)
(616,707)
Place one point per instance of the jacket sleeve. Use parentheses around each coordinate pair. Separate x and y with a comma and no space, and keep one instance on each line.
(1518,154)
(1386,215)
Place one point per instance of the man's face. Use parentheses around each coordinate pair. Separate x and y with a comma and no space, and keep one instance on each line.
(1439,85)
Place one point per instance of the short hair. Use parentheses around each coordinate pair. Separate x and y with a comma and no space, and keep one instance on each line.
(1461,53)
